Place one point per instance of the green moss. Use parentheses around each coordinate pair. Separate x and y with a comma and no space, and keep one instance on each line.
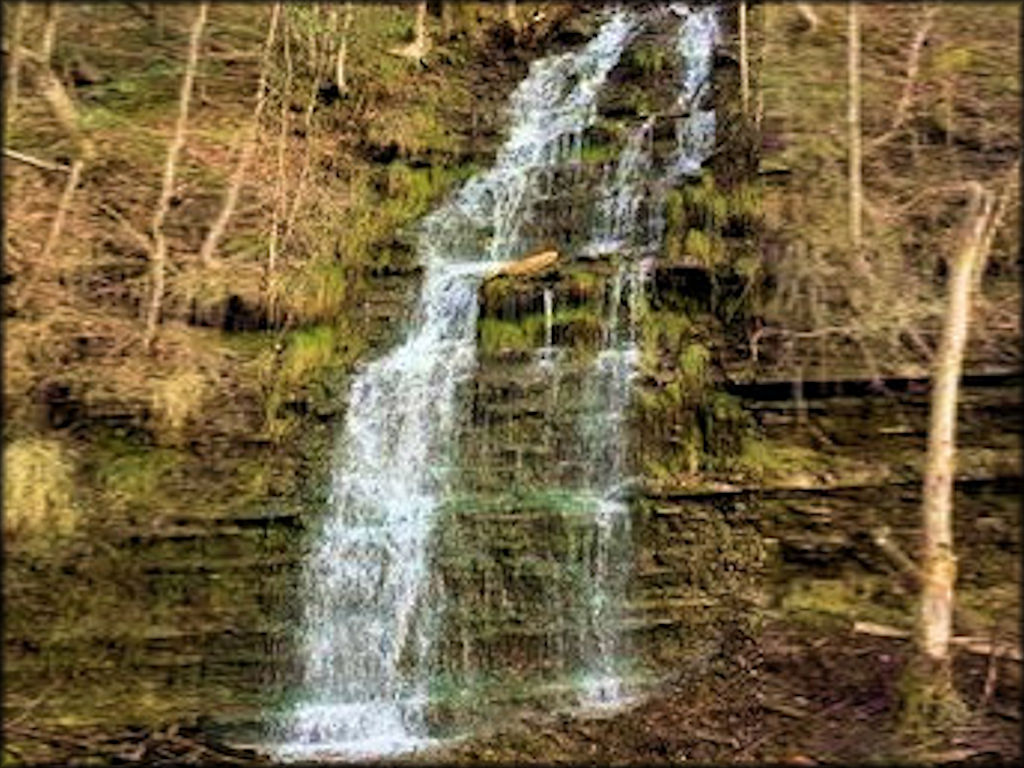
(304,371)
(855,597)
(504,335)
(702,247)
(770,458)
(581,326)
(650,59)
(129,93)
(131,476)
(595,154)
(309,350)
(693,363)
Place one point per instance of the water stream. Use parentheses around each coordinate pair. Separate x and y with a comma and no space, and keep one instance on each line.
(369,611)
(620,230)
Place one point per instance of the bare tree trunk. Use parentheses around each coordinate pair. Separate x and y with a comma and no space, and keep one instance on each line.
(931,699)
(66,198)
(159,252)
(1011,185)
(209,247)
(280,204)
(447,25)
(853,123)
(418,48)
(14,61)
(744,69)
(421,42)
(339,62)
(763,56)
(902,111)
(510,15)
(57,97)
(809,15)
(49,32)
(307,159)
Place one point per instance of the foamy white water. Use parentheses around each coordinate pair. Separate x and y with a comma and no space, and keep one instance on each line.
(369,615)
(620,230)
(368,620)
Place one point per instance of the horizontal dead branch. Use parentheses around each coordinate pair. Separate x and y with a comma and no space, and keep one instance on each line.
(36,162)
(973,645)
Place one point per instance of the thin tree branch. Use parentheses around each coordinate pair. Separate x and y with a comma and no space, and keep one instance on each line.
(14,64)
(159,249)
(45,165)
(62,210)
(913,68)
(219,226)
(138,237)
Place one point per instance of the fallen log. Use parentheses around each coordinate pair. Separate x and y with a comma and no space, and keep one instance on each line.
(530,265)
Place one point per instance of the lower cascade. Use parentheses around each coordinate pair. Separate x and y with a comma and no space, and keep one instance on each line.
(371,605)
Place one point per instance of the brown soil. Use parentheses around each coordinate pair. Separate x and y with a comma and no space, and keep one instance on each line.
(813,697)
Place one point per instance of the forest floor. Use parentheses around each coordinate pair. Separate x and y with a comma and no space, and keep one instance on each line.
(819,696)
(816,696)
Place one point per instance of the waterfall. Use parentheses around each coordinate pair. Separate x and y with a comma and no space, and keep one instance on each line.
(369,620)
(604,430)
(367,624)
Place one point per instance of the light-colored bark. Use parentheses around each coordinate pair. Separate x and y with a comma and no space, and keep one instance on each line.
(14,60)
(213,237)
(510,14)
(312,39)
(853,126)
(56,95)
(938,567)
(902,111)
(66,198)
(1010,187)
(763,59)
(447,23)
(809,15)
(744,59)
(342,55)
(280,204)
(298,197)
(158,256)
(418,48)
(973,645)
(35,162)
(49,32)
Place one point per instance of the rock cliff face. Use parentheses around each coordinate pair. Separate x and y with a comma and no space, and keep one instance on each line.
(556,556)
(205,603)
(559,559)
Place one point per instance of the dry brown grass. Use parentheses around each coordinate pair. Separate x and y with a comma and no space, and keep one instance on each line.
(177,400)
(38,490)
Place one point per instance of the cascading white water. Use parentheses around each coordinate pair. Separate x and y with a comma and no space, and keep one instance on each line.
(547,355)
(620,195)
(619,230)
(695,133)
(367,625)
